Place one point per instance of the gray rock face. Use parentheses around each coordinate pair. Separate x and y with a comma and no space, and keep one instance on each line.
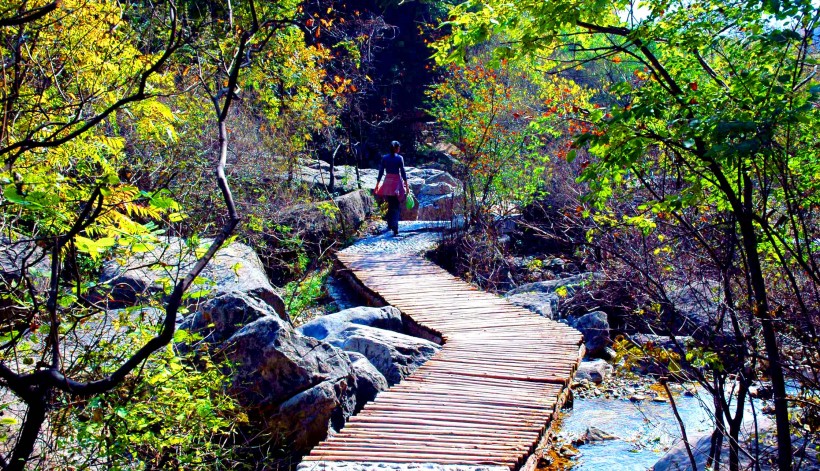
(369,382)
(677,459)
(695,308)
(595,371)
(437,195)
(297,385)
(219,318)
(436,191)
(342,216)
(235,269)
(17,257)
(595,327)
(301,385)
(316,174)
(395,355)
(544,297)
(572,284)
(387,317)
(543,304)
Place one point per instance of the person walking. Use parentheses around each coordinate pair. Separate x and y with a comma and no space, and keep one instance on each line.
(395,187)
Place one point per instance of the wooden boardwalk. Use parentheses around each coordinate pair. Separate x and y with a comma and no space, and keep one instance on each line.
(486,398)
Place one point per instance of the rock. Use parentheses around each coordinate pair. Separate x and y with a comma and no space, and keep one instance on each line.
(341,216)
(695,309)
(316,174)
(647,364)
(219,318)
(595,328)
(395,355)
(299,385)
(594,434)
(236,268)
(387,317)
(568,451)
(369,382)
(762,391)
(543,297)
(354,208)
(595,371)
(572,284)
(436,191)
(295,385)
(116,327)
(543,304)
(305,418)
(637,398)
(677,459)
(17,257)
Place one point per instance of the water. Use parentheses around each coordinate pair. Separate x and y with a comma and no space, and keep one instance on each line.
(645,430)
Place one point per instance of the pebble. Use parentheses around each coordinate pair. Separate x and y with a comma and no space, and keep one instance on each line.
(414,237)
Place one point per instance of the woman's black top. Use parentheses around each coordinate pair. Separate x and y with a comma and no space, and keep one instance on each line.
(392,163)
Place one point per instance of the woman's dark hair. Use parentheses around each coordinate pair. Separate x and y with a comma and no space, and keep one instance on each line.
(394,145)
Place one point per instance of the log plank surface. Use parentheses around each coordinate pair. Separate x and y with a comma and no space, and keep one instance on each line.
(486,398)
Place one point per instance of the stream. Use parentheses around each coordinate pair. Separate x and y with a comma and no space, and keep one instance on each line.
(644,430)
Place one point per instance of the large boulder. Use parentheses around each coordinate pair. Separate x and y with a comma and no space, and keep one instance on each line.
(595,328)
(695,308)
(369,381)
(543,304)
(341,216)
(395,355)
(760,436)
(236,268)
(296,385)
(544,297)
(437,195)
(17,257)
(387,317)
(596,371)
(219,318)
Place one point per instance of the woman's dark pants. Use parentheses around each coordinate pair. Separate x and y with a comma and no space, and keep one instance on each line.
(393,213)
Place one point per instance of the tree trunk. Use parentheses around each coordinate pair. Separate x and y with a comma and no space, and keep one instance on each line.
(736,422)
(761,308)
(35,416)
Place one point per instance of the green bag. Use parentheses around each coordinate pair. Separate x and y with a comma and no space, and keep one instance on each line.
(409,202)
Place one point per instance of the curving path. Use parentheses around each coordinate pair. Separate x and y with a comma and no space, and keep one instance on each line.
(484,401)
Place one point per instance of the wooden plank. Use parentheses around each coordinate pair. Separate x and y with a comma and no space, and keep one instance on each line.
(485,398)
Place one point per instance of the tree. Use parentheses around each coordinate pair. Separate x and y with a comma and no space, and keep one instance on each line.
(77,74)
(722,116)
(507,120)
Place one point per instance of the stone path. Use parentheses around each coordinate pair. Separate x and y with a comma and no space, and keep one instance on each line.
(484,402)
